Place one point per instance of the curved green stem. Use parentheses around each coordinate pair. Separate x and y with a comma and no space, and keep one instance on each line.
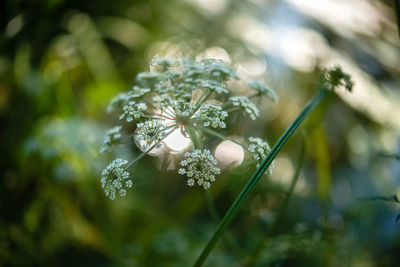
(201,100)
(236,108)
(218,135)
(258,94)
(229,239)
(156,117)
(258,174)
(194,137)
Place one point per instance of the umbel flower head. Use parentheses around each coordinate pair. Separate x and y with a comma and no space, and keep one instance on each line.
(245,105)
(113,136)
(185,96)
(211,115)
(200,167)
(151,133)
(332,78)
(114,179)
(259,150)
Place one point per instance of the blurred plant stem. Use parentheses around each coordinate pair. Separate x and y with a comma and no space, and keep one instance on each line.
(220,136)
(312,126)
(322,161)
(229,239)
(258,174)
(282,211)
(397,9)
(385,154)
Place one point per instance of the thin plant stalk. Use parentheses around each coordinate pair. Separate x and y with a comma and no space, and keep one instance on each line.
(206,94)
(233,210)
(230,241)
(220,136)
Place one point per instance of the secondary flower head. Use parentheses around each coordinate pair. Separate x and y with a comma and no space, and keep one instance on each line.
(211,115)
(150,133)
(263,90)
(332,78)
(133,110)
(113,136)
(213,86)
(124,99)
(199,166)
(114,179)
(259,149)
(245,105)
(219,70)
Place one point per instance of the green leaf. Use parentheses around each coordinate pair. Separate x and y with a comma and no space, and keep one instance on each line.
(258,174)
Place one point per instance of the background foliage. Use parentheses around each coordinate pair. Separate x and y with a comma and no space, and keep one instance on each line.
(62,61)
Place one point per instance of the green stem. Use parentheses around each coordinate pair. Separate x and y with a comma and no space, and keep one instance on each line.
(212,210)
(258,174)
(218,135)
(255,95)
(156,117)
(374,198)
(194,137)
(282,211)
(168,113)
(233,109)
(201,100)
(226,105)
(150,105)
(388,155)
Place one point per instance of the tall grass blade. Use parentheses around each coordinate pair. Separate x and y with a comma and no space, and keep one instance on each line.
(233,210)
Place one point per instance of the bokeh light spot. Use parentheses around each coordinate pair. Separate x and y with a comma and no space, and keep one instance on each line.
(229,154)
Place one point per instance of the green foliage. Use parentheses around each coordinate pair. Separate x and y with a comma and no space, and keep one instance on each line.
(62,61)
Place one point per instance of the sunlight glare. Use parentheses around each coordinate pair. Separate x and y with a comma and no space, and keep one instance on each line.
(177,142)
(215,53)
(253,67)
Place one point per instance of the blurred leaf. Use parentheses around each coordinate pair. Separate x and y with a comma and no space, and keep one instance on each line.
(321,154)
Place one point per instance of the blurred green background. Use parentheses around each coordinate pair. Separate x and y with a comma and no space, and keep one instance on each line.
(62,61)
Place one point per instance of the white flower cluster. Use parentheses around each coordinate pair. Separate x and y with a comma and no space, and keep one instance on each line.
(246,105)
(192,69)
(213,86)
(133,110)
(148,78)
(201,167)
(137,92)
(219,70)
(150,133)
(259,149)
(211,115)
(117,102)
(213,69)
(177,95)
(264,90)
(113,136)
(114,179)
(172,107)
(124,98)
